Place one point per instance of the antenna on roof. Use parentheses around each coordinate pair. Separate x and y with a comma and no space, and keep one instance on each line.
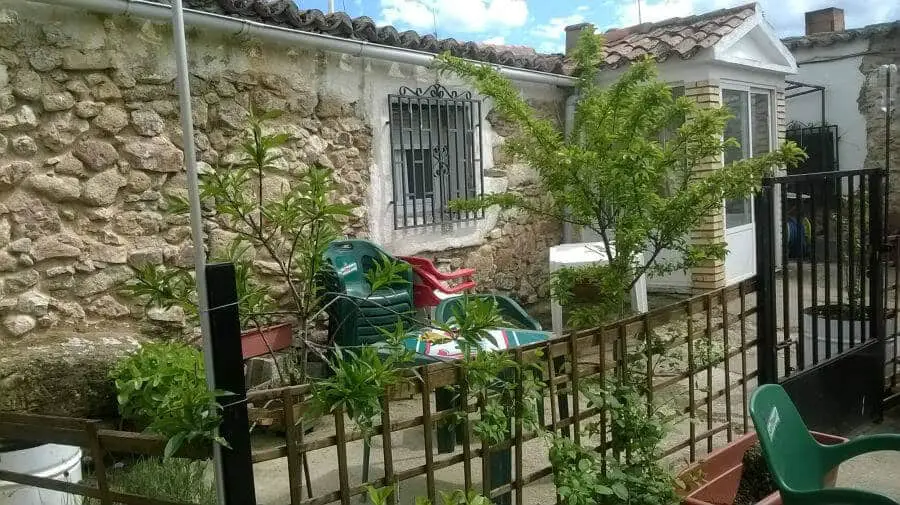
(639,11)
(331,6)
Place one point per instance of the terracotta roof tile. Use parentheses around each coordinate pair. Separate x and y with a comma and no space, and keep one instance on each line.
(682,37)
(285,13)
(830,38)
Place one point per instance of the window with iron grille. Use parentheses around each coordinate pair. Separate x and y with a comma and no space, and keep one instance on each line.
(435,155)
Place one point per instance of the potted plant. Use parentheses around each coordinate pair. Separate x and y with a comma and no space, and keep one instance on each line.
(850,315)
(737,475)
(165,287)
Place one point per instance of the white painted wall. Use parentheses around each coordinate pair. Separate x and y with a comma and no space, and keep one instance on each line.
(369,82)
(842,80)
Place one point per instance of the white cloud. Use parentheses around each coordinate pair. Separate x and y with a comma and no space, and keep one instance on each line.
(495,41)
(457,16)
(556,27)
(582,8)
(553,33)
(653,11)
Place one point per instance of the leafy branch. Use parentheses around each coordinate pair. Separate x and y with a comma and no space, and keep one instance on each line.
(628,141)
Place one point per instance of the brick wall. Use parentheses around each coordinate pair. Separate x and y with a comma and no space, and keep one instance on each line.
(709,274)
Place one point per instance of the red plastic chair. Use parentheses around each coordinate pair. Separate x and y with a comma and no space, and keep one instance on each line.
(431,285)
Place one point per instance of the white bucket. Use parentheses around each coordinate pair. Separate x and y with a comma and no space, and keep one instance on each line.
(60,462)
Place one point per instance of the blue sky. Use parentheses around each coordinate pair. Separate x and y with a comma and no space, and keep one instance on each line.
(540,23)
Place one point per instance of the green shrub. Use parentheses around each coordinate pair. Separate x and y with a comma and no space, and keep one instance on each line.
(162,387)
(177,480)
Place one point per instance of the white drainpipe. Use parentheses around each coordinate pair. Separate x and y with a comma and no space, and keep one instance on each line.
(243,27)
(567,234)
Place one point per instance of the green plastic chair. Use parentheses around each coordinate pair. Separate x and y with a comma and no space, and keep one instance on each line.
(357,321)
(511,311)
(799,463)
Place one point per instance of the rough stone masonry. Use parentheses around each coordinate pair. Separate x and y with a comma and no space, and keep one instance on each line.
(90,149)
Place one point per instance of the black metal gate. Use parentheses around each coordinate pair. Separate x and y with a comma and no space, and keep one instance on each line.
(820,144)
(822,320)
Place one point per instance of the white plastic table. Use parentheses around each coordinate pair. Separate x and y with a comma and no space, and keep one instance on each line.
(588,253)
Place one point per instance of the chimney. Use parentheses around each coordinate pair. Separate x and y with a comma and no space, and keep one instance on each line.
(825,21)
(572,34)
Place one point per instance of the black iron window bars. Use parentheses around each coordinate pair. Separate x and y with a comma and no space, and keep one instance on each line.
(435,155)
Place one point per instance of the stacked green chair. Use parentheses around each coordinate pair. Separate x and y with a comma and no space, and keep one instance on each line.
(357,317)
(799,463)
(510,311)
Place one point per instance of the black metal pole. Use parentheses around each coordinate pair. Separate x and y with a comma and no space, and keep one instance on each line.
(876,279)
(228,365)
(822,92)
(766,312)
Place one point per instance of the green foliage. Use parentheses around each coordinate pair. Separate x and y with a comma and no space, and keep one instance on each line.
(608,172)
(175,480)
(292,228)
(164,286)
(491,378)
(457,497)
(471,321)
(358,384)
(387,273)
(379,496)
(633,473)
(163,386)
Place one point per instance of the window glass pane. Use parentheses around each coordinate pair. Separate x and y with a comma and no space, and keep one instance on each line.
(738,127)
(760,123)
(737,212)
(419,177)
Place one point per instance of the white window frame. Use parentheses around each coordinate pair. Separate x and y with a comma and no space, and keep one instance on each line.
(750,89)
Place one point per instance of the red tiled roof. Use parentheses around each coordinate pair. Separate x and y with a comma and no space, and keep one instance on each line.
(286,13)
(681,37)
(891,29)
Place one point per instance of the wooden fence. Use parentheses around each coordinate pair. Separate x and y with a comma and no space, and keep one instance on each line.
(708,387)
(97,442)
(706,384)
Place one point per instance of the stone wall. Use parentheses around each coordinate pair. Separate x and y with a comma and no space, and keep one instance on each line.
(883,49)
(90,148)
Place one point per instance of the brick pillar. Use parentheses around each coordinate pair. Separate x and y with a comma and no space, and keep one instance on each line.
(710,274)
(780,117)
(780,127)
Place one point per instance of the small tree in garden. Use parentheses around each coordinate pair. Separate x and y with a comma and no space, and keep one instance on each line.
(615,175)
(291,230)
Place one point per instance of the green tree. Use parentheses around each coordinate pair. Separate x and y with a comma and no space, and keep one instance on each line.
(624,171)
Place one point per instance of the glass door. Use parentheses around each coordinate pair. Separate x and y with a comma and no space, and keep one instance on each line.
(751,126)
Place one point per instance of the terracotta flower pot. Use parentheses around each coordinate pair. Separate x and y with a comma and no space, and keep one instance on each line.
(722,470)
(254,342)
